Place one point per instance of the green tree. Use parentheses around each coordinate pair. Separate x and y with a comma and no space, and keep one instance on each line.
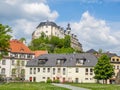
(5,37)
(103,69)
(22,39)
(67,41)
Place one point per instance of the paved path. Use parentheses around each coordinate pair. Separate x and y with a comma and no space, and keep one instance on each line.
(69,86)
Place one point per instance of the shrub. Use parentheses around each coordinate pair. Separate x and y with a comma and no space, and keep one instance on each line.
(49,81)
(17,78)
(56,81)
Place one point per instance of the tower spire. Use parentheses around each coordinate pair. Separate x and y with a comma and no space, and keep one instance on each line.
(68,27)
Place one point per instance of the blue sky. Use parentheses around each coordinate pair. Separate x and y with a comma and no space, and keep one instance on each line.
(73,9)
(95,22)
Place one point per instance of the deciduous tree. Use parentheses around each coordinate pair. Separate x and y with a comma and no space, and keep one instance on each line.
(5,36)
(103,69)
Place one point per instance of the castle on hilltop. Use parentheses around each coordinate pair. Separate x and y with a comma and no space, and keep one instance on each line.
(52,29)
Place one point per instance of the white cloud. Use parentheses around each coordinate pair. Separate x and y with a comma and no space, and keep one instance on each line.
(24,28)
(94,33)
(24,15)
(41,10)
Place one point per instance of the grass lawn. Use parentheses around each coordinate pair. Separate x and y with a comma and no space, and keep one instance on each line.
(98,86)
(30,86)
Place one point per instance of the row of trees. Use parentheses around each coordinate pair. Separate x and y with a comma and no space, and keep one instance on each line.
(52,45)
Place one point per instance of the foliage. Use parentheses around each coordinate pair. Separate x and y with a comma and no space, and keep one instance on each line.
(22,39)
(52,45)
(64,50)
(56,81)
(67,41)
(49,81)
(30,86)
(4,39)
(103,69)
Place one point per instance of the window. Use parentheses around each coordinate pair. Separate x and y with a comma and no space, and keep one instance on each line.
(79,61)
(91,71)
(22,55)
(86,78)
(18,62)
(63,71)
(58,62)
(113,59)
(34,70)
(3,62)
(53,71)
(23,63)
(41,62)
(16,55)
(38,69)
(77,70)
(86,71)
(117,67)
(58,70)
(48,70)
(30,70)
(43,77)
(117,60)
(13,62)
(23,72)
(44,70)
(3,71)
(29,56)
(13,71)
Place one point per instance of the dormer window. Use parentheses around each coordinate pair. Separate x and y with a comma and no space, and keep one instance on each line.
(60,61)
(42,61)
(80,61)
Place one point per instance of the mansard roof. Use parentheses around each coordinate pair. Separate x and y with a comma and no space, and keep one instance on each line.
(48,23)
(70,60)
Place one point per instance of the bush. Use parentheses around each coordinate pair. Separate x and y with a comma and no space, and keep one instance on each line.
(17,78)
(56,81)
(49,81)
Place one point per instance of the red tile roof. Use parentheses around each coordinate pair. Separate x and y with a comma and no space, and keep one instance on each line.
(40,52)
(19,47)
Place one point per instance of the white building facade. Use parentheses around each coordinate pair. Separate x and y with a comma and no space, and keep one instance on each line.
(63,67)
(14,64)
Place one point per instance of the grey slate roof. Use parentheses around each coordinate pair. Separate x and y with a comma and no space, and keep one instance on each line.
(48,23)
(91,51)
(70,60)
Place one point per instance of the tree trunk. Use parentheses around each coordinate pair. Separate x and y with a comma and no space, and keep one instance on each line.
(105,81)
(97,81)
